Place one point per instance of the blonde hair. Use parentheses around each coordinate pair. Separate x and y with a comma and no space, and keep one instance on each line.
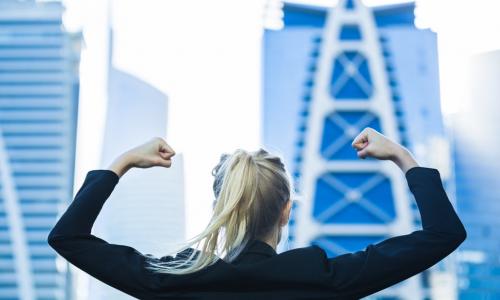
(251,190)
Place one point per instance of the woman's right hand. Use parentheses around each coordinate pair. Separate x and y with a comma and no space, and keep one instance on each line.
(371,143)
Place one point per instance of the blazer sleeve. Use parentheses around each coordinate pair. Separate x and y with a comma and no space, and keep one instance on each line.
(119,266)
(356,275)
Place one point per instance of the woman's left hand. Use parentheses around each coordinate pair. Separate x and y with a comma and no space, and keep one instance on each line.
(155,152)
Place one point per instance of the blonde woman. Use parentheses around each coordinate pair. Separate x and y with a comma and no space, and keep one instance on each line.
(235,256)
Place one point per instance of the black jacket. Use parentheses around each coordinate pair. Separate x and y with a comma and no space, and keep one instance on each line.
(259,272)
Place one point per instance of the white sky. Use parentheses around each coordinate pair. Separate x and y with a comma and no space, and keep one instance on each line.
(205,55)
(465,28)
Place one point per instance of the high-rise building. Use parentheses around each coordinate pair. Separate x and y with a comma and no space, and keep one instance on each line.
(38,112)
(328,73)
(476,164)
(146,209)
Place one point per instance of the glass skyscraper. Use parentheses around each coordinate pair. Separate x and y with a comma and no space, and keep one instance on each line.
(146,208)
(327,74)
(38,111)
(476,142)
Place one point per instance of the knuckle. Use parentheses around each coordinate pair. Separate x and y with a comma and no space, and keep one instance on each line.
(158,139)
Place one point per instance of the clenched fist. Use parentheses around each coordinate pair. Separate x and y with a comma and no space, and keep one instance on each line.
(371,143)
(155,152)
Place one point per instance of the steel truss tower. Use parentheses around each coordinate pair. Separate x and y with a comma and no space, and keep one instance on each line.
(349,203)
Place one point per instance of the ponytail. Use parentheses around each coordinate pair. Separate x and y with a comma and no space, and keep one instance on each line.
(243,189)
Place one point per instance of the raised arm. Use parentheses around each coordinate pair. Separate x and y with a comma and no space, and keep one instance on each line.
(119,266)
(356,275)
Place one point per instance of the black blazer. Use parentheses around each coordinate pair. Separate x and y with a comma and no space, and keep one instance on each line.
(259,272)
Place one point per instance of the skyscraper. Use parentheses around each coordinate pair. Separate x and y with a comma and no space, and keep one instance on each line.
(146,209)
(38,111)
(329,73)
(476,140)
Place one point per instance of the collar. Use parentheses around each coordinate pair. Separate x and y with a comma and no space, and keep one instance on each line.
(259,247)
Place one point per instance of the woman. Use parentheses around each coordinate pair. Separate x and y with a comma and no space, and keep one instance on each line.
(235,256)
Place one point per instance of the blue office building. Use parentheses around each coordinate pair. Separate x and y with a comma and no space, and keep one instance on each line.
(38,113)
(328,73)
(475,144)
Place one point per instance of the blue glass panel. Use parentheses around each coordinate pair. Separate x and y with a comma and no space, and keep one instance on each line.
(33,147)
(350,32)
(336,142)
(298,15)
(338,69)
(351,77)
(338,245)
(349,4)
(364,71)
(351,90)
(9,285)
(31,22)
(351,54)
(351,198)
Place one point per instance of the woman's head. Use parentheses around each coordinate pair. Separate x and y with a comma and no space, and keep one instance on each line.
(252,201)
(253,189)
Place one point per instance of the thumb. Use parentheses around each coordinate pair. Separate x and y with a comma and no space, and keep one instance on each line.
(165,162)
(360,141)
(359,145)
(166,155)
(364,152)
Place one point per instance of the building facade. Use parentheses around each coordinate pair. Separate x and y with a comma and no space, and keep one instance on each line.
(146,210)
(38,111)
(328,73)
(475,140)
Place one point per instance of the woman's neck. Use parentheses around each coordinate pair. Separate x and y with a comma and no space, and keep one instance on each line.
(272,239)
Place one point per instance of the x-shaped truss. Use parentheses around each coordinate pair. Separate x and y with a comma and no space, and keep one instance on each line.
(353,195)
(351,71)
(350,131)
